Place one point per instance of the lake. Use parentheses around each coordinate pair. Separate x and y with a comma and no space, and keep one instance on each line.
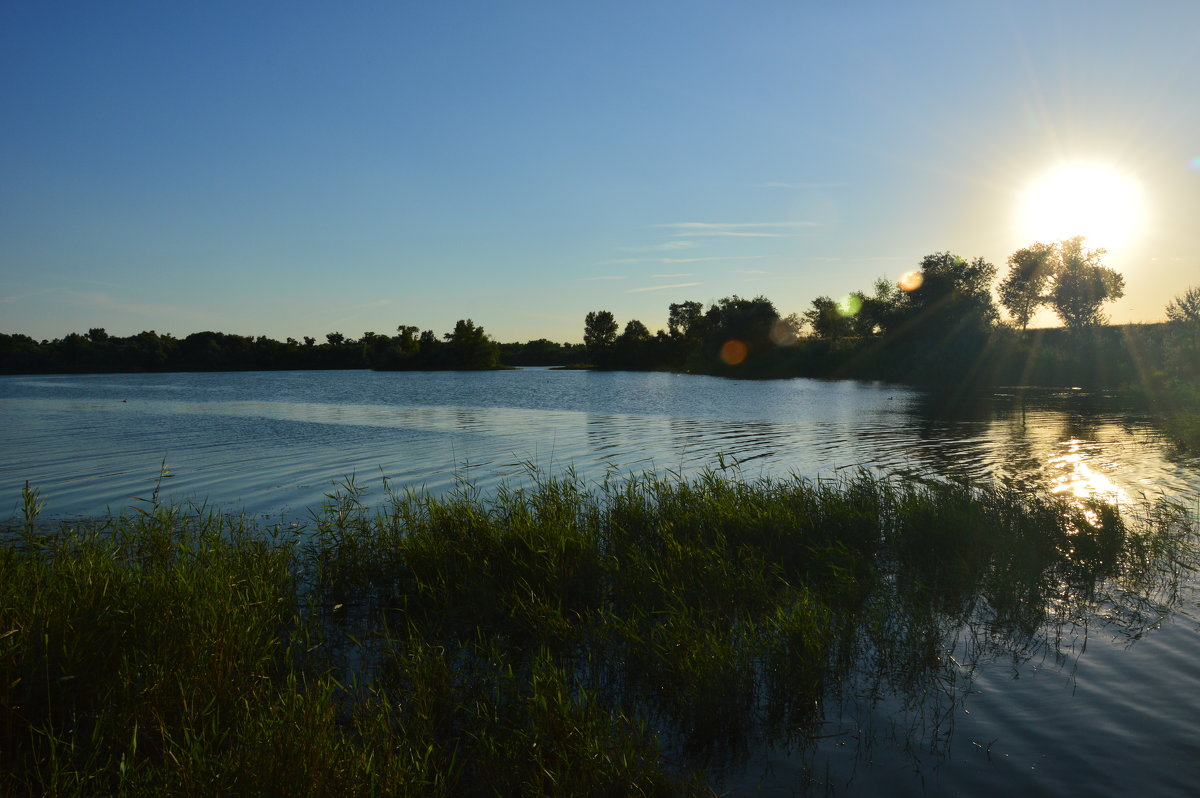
(1103,705)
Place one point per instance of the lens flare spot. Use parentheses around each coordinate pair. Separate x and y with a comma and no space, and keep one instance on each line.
(910,282)
(850,305)
(733,352)
(1196,162)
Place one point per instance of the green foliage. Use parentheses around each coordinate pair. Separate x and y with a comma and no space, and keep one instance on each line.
(599,335)
(1031,270)
(549,640)
(1185,308)
(1082,284)
(954,297)
(826,319)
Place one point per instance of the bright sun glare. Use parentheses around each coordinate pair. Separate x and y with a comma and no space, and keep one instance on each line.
(1082,199)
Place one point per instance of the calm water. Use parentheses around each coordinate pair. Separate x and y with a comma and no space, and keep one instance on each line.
(271,443)
(1111,708)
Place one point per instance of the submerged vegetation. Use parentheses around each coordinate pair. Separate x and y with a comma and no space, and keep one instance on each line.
(630,638)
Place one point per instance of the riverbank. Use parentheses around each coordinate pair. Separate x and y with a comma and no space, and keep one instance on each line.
(632,639)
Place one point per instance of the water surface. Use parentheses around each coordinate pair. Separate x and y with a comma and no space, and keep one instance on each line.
(275,442)
(1106,704)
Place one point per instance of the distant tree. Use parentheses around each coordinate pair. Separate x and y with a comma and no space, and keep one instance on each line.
(98,335)
(599,335)
(682,317)
(954,296)
(309,340)
(632,349)
(787,330)
(1185,308)
(1031,272)
(471,348)
(875,311)
(1182,350)
(826,319)
(1082,284)
(335,338)
(749,322)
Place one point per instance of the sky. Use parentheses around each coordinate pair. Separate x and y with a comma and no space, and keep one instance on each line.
(296,168)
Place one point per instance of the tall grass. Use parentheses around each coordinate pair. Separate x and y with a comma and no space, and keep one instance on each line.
(628,638)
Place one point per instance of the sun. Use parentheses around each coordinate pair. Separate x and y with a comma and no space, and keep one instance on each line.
(1082,198)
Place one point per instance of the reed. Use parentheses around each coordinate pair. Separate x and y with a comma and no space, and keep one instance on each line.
(631,637)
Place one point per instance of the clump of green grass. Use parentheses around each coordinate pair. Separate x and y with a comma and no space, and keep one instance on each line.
(629,638)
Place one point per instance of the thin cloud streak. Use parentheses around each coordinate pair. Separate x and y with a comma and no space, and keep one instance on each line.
(668,246)
(7,300)
(734,225)
(620,261)
(660,287)
(603,277)
(711,257)
(732,234)
(802,186)
(373,304)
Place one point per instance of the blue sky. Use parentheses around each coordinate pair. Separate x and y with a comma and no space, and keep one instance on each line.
(295,168)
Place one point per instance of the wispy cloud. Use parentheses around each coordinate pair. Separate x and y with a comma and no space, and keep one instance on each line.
(803,185)
(660,287)
(733,234)
(620,261)
(734,225)
(665,247)
(669,276)
(372,304)
(748,271)
(711,257)
(603,277)
(99,300)
(735,229)
(7,300)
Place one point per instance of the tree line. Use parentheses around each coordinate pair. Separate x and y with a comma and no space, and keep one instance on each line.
(940,323)
(467,346)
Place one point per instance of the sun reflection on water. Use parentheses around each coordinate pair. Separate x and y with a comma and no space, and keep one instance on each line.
(1077,479)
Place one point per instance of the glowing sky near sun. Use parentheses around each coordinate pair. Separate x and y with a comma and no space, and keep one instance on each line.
(294,168)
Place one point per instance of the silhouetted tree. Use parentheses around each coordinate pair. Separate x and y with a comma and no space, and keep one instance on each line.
(750,322)
(1082,284)
(1185,308)
(682,317)
(632,348)
(954,297)
(1031,271)
(826,319)
(599,335)
(471,348)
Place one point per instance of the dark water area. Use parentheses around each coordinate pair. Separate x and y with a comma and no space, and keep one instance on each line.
(1104,702)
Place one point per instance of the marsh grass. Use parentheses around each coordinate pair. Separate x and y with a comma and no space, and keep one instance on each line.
(633,637)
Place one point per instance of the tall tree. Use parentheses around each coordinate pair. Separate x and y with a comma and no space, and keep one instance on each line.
(826,319)
(1082,284)
(682,316)
(1030,272)
(599,335)
(954,296)
(471,348)
(1185,307)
